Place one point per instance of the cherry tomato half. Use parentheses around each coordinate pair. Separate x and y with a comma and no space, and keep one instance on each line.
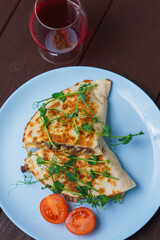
(54,209)
(80,221)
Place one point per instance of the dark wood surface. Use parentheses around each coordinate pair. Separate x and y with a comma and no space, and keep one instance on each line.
(123,37)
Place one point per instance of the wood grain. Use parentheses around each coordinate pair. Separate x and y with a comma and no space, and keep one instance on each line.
(127,43)
(123,37)
(7,10)
(158,101)
(22,60)
(151,231)
(8,231)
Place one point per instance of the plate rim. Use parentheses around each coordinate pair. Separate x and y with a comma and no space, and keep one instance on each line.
(69,67)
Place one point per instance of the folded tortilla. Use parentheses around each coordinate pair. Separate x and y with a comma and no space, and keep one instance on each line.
(117,182)
(62,130)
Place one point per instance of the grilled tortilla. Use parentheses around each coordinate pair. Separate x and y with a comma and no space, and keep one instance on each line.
(62,130)
(117,182)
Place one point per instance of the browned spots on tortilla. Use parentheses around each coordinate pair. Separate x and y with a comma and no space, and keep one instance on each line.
(32,168)
(100,167)
(114,183)
(101,191)
(115,192)
(94,108)
(69,105)
(64,106)
(24,138)
(66,91)
(100,178)
(52,114)
(84,81)
(31,124)
(81,164)
(55,104)
(35,139)
(45,175)
(63,137)
(29,134)
(91,104)
(37,120)
(71,186)
(86,140)
(108,169)
(43,182)
(45,156)
(40,130)
(87,81)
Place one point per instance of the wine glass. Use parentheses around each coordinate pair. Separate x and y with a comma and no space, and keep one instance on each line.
(59,28)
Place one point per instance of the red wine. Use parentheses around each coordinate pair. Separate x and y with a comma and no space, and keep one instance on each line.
(58,27)
(57,13)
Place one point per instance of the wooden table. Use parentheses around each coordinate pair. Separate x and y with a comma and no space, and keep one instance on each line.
(123,37)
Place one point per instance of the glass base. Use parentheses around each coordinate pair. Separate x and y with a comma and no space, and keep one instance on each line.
(62,58)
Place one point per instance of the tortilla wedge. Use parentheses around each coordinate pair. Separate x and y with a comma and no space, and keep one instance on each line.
(116,181)
(65,124)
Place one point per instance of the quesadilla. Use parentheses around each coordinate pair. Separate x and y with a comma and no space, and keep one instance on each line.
(71,120)
(77,175)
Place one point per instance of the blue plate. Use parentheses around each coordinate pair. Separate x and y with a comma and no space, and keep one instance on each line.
(130,110)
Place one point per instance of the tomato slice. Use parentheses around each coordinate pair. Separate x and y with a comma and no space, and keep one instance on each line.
(54,209)
(80,221)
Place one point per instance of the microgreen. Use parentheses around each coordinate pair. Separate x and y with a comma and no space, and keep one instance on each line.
(84,87)
(58,187)
(125,139)
(54,109)
(71,177)
(86,127)
(106,174)
(45,121)
(119,197)
(73,156)
(42,110)
(93,176)
(40,161)
(71,162)
(82,96)
(107,131)
(46,186)
(28,179)
(74,114)
(76,129)
(93,160)
(55,169)
(36,104)
(83,190)
(59,95)
(75,171)
(103,199)
(100,200)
